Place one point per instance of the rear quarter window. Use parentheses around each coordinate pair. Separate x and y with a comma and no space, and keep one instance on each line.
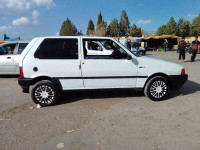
(57,49)
(22,46)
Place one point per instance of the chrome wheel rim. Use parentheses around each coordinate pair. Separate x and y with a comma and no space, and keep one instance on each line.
(44,94)
(158,89)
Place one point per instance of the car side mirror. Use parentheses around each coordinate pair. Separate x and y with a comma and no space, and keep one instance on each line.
(129,57)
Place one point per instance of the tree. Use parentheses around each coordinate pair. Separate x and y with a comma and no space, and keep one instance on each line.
(195,31)
(101,26)
(185,28)
(135,31)
(179,24)
(113,28)
(90,28)
(79,32)
(68,28)
(171,27)
(161,30)
(124,24)
(99,20)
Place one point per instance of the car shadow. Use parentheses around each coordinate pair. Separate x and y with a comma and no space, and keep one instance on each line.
(189,87)
(9,76)
(73,96)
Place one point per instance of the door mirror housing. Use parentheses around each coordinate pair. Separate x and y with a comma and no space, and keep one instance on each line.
(129,57)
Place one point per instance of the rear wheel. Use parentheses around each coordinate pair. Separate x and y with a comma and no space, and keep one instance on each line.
(44,93)
(142,52)
(157,88)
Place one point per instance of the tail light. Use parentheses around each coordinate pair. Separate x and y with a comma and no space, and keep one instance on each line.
(21,72)
(183,72)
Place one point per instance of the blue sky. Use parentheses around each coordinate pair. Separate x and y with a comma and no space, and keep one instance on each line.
(33,18)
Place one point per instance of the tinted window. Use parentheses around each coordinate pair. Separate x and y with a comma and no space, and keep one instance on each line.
(9,48)
(22,46)
(58,49)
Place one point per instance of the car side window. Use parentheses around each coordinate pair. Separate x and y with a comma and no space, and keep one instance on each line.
(7,49)
(22,46)
(113,50)
(94,46)
(58,49)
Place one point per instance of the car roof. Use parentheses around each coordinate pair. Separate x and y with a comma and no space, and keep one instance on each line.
(7,43)
(88,37)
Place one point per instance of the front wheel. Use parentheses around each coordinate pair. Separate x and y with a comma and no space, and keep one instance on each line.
(44,93)
(157,88)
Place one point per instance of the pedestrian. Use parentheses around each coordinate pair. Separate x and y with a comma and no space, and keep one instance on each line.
(195,47)
(181,47)
(127,42)
(165,46)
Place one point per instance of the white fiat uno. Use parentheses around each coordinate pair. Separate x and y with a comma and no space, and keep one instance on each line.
(56,64)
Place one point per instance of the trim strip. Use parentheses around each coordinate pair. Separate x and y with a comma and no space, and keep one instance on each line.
(108,77)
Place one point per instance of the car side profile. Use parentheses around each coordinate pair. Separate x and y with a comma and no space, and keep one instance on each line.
(56,64)
(9,57)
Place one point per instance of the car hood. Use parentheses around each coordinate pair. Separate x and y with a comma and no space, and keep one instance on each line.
(153,65)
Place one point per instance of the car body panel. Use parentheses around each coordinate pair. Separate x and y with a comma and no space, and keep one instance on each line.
(9,63)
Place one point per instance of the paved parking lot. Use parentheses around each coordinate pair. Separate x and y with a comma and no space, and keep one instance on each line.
(103,120)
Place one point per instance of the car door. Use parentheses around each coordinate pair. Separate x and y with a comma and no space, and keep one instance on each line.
(107,71)
(16,57)
(59,59)
(7,60)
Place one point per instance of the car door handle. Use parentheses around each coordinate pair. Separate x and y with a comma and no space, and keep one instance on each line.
(8,57)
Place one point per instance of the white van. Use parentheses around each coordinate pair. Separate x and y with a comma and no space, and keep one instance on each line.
(56,64)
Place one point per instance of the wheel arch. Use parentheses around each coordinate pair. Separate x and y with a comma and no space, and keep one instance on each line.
(53,80)
(158,74)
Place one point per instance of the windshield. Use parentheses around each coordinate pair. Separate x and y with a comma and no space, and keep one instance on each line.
(106,46)
(127,49)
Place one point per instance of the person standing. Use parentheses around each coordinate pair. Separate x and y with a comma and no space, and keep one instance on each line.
(126,41)
(165,46)
(129,44)
(181,47)
(194,46)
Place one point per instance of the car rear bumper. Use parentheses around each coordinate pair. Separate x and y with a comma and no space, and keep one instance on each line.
(177,81)
(25,84)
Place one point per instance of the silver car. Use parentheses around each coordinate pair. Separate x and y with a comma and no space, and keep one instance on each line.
(9,57)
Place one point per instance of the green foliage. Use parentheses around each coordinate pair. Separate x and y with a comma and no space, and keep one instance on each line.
(90,28)
(184,29)
(179,24)
(101,26)
(68,28)
(124,24)
(99,20)
(113,28)
(171,27)
(161,30)
(195,29)
(135,31)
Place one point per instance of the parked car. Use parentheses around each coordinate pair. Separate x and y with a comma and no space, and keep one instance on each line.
(141,50)
(9,57)
(56,64)
(98,48)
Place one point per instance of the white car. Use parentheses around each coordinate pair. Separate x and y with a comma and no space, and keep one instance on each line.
(9,57)
(98,48)
(56,64)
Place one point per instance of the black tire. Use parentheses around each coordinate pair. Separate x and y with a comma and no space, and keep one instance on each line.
(143,52)
(157,88)
(45,93)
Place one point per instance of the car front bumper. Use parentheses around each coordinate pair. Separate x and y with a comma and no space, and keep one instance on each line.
(177,81)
